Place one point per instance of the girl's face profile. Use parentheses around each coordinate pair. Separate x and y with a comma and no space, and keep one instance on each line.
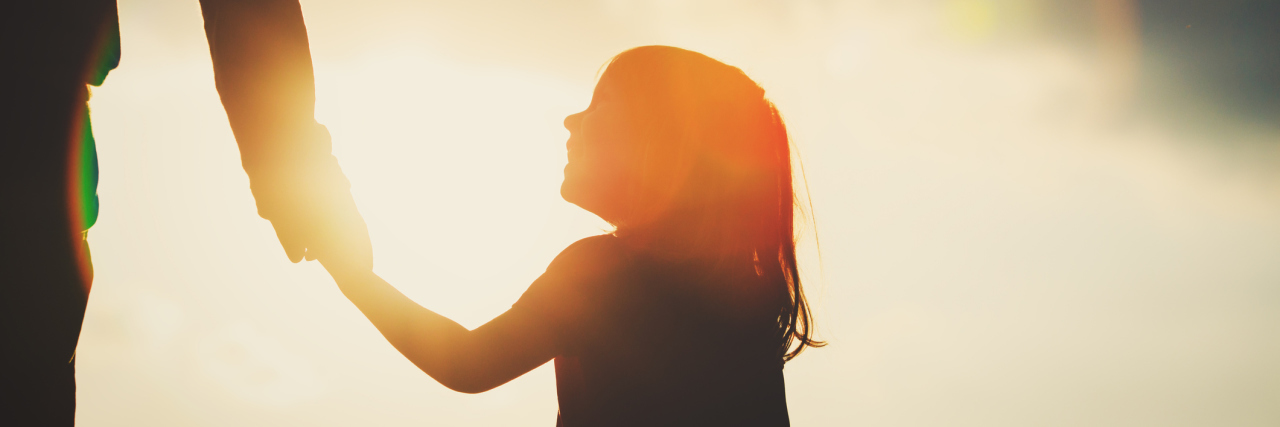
(601,153)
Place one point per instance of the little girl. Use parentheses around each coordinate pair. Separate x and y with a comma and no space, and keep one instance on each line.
(685,314)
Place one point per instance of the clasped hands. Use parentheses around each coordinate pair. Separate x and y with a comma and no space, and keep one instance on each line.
(309,203)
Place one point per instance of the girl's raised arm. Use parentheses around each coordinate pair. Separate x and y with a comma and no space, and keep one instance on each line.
(467,361)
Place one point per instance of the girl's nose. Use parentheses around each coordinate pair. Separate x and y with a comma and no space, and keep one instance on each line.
(571,121)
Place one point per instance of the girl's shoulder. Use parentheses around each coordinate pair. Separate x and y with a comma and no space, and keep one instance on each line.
(600,244)
(572,286)
(593,255)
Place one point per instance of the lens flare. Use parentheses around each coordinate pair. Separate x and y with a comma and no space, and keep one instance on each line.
(82,191)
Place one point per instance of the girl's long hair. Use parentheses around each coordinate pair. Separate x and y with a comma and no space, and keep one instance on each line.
(715,174)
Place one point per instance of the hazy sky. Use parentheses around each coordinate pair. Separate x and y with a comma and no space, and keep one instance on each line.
(1002,242)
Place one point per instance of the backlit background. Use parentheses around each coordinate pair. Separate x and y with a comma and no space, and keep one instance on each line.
(1046,213)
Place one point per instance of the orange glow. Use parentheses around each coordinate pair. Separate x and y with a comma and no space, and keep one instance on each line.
(1002,237)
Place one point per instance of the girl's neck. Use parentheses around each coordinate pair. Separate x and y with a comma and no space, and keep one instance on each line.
(675,242)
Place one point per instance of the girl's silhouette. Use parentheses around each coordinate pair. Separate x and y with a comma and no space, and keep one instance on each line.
(685,314)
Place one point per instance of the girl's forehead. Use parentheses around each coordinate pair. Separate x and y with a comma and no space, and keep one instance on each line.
(608,86)
(625,77)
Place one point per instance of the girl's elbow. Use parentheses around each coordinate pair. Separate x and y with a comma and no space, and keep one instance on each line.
(460,376)
(466,384)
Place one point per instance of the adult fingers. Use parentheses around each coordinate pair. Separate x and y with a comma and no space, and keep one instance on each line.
(292,239)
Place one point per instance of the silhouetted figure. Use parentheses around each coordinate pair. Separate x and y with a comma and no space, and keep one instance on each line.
(685,314)
(48,170)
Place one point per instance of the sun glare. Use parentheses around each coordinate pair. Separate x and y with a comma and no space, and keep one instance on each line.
(998,247)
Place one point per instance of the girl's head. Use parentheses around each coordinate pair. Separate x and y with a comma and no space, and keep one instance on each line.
(685,155)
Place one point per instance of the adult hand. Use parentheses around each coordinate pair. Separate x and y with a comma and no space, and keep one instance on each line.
(330,228)
(309,203)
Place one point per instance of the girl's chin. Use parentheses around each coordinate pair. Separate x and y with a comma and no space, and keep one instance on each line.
(571,191)
(581,195)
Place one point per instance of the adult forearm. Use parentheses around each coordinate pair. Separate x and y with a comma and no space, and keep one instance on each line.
(263,72)
(262,68)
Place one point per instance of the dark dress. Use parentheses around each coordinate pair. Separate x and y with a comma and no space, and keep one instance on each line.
(642,341)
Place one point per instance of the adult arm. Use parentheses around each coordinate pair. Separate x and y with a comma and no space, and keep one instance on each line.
(263,72)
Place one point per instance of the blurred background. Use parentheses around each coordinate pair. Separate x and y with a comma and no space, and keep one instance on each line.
(1050,213)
